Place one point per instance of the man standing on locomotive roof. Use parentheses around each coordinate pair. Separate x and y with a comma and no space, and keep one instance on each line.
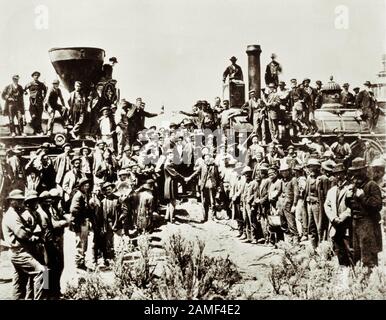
(14,105)
(272,71)
(233,71)
(37,93)
(368,104)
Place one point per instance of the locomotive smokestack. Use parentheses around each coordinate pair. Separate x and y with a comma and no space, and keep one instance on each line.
(254,79)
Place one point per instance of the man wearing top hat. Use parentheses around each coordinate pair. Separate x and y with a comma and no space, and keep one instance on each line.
(365,201)
(347,98)
(339,216)
(272,71)
(368,104)
(81,213)
(37,93)
(51,105)
(14,106)
(233,71)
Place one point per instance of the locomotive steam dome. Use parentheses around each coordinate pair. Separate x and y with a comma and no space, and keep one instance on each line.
(331,86)
(331,95)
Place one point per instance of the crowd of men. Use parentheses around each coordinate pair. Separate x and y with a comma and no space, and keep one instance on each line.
(306,191)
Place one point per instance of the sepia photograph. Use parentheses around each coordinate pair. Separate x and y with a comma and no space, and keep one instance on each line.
(164,150)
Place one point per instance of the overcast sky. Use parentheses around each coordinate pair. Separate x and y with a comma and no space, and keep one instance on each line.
(173,52)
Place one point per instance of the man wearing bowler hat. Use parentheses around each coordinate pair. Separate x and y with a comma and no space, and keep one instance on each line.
(81,211)
(368,104)
(233,71)
(37,93)
(339,216)
(14,106)
(365,201)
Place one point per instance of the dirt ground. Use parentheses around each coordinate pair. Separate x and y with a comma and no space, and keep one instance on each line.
(219,236)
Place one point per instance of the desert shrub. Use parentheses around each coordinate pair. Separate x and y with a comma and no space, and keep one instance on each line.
(89,287)
(304,273)
(187,273)
(190,274)
(135,275)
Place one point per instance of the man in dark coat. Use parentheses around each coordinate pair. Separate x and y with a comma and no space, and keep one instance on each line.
(209,179)
(365,201)
(37,93)
(347,98)
(272,71)
(14,105)
(368,104)
(233,71)
(81,213)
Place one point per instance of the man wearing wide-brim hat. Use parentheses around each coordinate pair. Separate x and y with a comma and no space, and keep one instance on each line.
(366,101)
(233,71)
(312,193)
(72,178)
(288,201)
(249,229)
(115,218)
(37,93)
(365,202)
(339,216)
(18,227)
(81,213)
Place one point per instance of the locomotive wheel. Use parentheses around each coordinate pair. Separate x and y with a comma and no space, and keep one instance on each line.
(357,147)
(60,139)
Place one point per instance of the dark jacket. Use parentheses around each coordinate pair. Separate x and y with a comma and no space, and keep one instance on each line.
(13,96)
